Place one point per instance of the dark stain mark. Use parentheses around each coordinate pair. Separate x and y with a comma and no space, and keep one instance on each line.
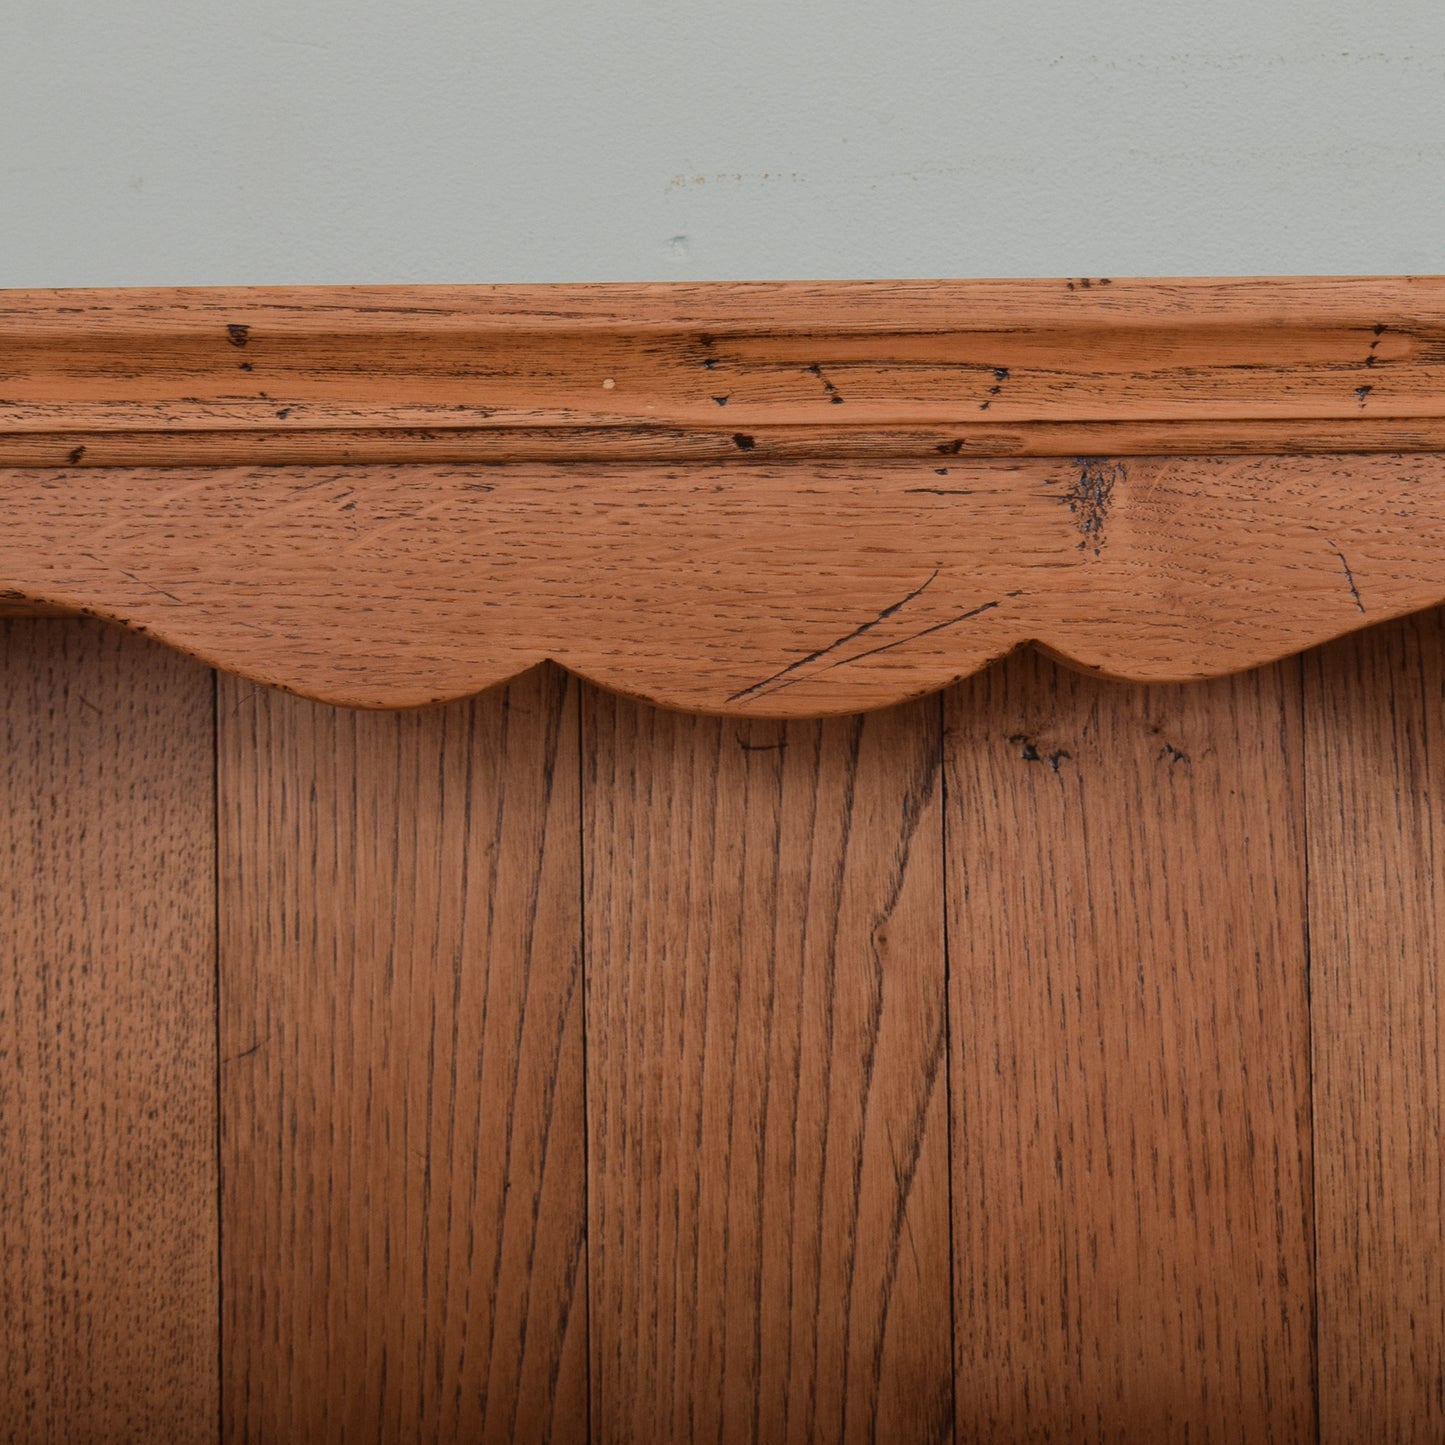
(1173,754)
(1000,373)
(75,454)
(780,746)
(1071,285)
(833,396)
(1092,495)
(1030,752)
(950,449)
(710,363)
(743,442)
(1105,281)
(721,400)
(984,405)
(245,366)
(284,412)
(777,678)
(237,334)
(1349,577)
(940,471)
(1362,392)
(1380,330)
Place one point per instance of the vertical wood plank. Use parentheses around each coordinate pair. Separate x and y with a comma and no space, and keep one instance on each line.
(1129,1063)
(767,1097)
(1376,795)
(108,1284)
(403,1229)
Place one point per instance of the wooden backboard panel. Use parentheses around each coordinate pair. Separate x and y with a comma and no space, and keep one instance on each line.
(403,1247)
(1376,787)
(766,1091)
(1129,995)
(108,1167)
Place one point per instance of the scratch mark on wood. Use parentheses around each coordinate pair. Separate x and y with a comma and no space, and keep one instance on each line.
(1349,577)
(140,581)
(914,636)
(775,679)
(246,1053)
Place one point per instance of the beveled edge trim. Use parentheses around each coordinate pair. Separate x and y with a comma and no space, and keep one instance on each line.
(735,371)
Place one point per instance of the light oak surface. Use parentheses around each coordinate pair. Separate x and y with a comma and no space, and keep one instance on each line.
(676,372)
(774,591)
(773,499)
(1016,1054)
(403,1247)
(1132,1191)
(766,1090)
(1005,1044)
(108,1167)
(1376,782)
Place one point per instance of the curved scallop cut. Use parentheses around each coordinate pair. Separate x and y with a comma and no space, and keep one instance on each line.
(751,589)
(763,498)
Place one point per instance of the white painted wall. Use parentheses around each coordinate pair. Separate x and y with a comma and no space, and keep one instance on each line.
(152,142)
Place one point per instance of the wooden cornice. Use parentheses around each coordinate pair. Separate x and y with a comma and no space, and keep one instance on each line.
(769,498)
(707,373)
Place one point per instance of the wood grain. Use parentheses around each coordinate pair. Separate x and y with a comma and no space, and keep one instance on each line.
(1376,778)
(767,441)
(581,371)
(403,1151)
(750,589)
(768,1116)
(108,1272)
(1130,1073)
